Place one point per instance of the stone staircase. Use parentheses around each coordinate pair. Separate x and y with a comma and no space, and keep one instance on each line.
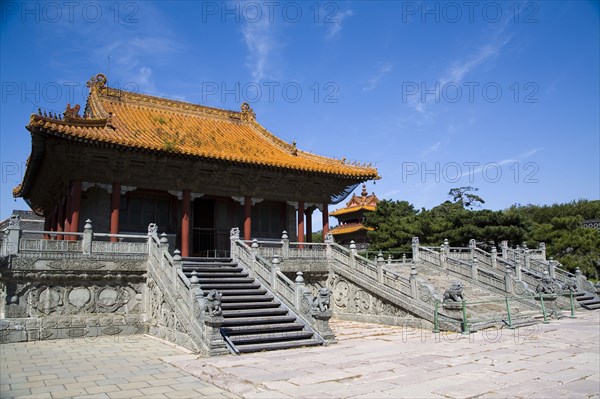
(484,307)
(587,300)
(255,320)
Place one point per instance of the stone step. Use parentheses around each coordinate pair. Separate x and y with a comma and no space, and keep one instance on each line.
(249,305)
(261,328)
(593,306)
(240,292)
(225,280)
(212,269)
(247,298)
(216,274)
(277,345)
(231,286)
(270,337)
(254,312)
(250,321)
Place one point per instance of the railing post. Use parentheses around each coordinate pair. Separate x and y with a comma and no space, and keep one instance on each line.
(436,327)
(234,235)
(504,249)
(579,278)
(551,268)
(275,267)
(415,249)
(518,269)
(475,269)
(328,241)
(13,235)
(285,248)
(164,247)
(380,262)
(494,258)
(178,263)
(88,236)
(526,258)
(352,259)
(152,229)
(443,257)
(299,288)
(542,248)
(389,259)
(403,259)
(413,281)
(508,282)
(446,247)
(472,243)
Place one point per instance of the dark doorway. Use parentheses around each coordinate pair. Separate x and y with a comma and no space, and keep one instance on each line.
(203,237)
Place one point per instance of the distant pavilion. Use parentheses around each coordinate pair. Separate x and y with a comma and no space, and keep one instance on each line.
(351,227)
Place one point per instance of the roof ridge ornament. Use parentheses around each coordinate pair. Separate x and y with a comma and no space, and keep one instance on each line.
(98,81)
(248,114)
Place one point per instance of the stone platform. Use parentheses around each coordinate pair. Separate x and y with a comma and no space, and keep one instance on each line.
(560,359)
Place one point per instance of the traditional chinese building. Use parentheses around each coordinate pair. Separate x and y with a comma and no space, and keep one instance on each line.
(132,159)
(351,227)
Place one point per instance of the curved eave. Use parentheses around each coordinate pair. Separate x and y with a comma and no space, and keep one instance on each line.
(43,125)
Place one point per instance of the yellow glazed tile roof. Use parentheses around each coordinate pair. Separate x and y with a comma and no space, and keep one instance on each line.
(148,123)
(349,228)
(344,211)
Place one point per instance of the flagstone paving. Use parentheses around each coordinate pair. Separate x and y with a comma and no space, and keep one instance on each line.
(556,360)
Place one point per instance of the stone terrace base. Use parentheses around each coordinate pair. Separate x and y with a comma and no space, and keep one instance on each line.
(555,360)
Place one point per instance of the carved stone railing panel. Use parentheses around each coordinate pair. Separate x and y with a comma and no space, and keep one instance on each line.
(40,245)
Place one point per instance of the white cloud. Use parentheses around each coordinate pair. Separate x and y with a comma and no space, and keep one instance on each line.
(335,26)
(381,73)
(260,40)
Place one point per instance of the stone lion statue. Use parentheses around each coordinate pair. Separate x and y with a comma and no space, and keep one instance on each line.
(546,286)
(569,285)
(321,302)
(213,303)
(454,293)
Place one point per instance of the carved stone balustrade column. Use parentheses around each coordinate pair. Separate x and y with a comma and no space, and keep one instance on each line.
(579,278)
(234,235)
(518,269)
(443,257)
(504,248)
(164,246)
(88,236)
(415,249)
(178,263)
(472,245)
(389,259)
(299,289)
(328,241)
(526,256)
(475,269)
(274,269)
(413,281)
(13,236)
(446,246)
(380,262)
(254,248)
(285,249)
(352,260)
(551,268)
(542,248)
(494,258)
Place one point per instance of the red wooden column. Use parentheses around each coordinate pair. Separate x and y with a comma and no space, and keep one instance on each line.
(186,210)
(76,207)
(68,211)
(247,218)
(300,221)
(115,204)
(60,225)
(325,220)
(309,212)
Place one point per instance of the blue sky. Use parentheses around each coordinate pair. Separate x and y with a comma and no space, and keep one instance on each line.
(502,96)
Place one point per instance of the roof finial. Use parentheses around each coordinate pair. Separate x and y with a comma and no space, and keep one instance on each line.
(97,81)
(294,150)
(364,190)
(247,113)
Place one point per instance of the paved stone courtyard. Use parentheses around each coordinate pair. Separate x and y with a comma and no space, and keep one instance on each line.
(556,360)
